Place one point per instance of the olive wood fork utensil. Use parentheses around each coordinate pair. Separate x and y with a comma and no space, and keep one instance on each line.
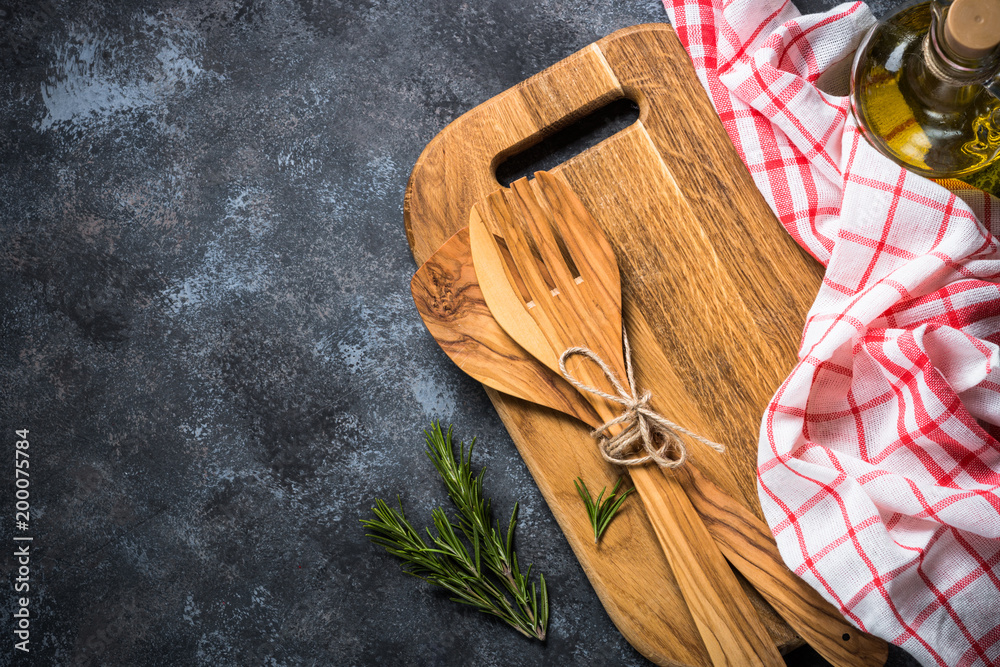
(447,295)
(553,284)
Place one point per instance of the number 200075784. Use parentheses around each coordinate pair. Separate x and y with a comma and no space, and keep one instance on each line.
(21,480)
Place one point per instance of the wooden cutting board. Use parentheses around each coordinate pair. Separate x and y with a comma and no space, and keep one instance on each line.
(715,294)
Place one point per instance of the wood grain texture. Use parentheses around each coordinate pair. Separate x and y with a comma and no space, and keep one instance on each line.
(447,295)
(746,542)
(450,301)
(715,292)
(573,299)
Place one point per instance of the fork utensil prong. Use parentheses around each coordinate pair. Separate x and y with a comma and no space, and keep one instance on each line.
(530,217)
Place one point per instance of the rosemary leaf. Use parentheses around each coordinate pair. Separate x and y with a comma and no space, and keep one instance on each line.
(601,511)
(487,578)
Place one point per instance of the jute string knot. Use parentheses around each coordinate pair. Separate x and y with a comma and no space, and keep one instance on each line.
(647,436)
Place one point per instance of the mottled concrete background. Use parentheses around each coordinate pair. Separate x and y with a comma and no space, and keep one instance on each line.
(207,328)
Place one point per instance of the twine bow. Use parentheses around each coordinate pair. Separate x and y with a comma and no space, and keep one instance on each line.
(643,425)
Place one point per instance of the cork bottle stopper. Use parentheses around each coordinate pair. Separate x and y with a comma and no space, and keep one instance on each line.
(972,27)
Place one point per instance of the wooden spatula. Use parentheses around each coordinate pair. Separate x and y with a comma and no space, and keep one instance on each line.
(551,280)
(447,295)
(451,304)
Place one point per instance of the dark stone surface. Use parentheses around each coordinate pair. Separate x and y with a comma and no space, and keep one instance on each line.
(207,328)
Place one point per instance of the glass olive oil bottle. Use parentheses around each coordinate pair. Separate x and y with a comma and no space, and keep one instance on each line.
(925,87)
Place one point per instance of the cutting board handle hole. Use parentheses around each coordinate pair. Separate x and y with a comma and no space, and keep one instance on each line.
(568,141)
(846,637)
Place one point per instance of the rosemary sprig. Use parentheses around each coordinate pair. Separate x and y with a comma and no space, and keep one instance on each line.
(601,512)
(489,578)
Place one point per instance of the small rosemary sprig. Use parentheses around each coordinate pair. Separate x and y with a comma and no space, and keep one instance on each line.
(489,578)
(601,512)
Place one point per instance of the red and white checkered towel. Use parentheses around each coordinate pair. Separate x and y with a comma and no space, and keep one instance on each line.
(879,464)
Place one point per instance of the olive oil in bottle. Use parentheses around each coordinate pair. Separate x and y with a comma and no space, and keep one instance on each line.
(925,87)
(988,179)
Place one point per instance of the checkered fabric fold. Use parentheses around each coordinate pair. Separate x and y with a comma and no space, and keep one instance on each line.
(879,465)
